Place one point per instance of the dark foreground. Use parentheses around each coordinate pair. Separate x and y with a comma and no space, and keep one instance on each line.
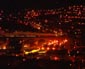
(12,62)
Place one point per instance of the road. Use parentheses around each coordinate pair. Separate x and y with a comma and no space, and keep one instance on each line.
(29,34)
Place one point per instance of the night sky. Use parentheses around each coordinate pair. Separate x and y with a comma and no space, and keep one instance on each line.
(38,3)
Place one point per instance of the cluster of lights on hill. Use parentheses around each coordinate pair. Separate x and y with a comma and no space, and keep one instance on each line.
(46,20)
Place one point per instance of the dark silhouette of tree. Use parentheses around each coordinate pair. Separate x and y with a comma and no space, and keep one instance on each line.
(15,45)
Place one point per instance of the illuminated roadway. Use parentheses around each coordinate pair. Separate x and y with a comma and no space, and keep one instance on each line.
(29,34)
